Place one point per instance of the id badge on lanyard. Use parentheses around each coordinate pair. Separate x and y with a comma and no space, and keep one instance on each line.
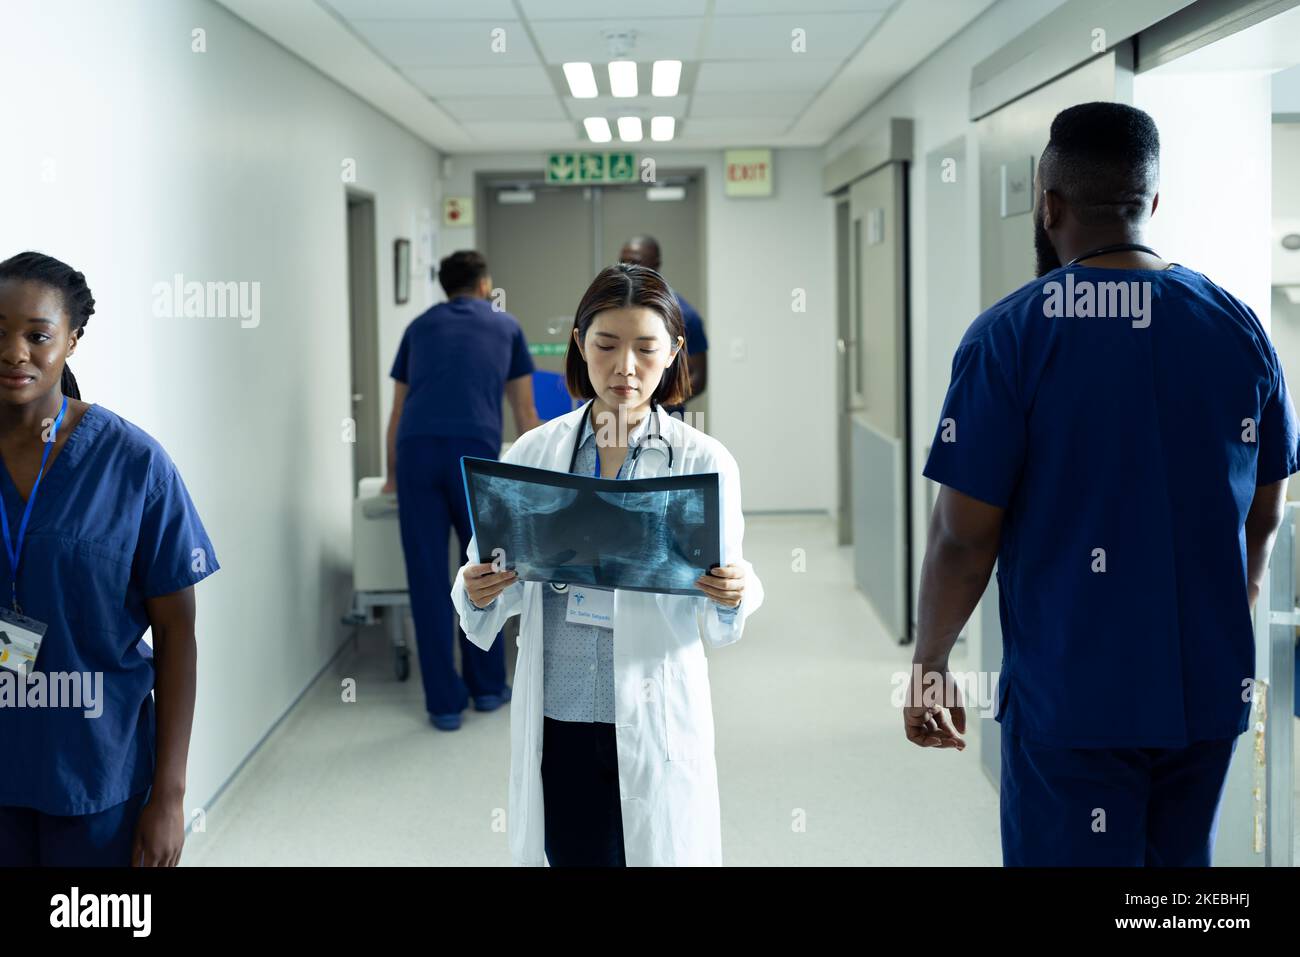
(20,636)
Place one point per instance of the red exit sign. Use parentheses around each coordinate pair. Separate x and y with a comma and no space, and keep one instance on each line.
(745,172)
(748,172)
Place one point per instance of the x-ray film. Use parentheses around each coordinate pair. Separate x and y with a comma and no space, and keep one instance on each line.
(652,534)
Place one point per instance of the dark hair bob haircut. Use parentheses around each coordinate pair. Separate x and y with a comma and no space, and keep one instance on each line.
(619,287)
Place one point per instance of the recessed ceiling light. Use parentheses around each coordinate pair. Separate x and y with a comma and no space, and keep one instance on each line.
(662,127)
(597,129)
(666,77)
(629,129)
(622,77)
(582,80)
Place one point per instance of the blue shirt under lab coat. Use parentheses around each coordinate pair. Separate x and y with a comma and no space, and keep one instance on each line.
(112,525)
(1126,452)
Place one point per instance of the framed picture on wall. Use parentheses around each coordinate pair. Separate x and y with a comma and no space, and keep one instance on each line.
(402,270)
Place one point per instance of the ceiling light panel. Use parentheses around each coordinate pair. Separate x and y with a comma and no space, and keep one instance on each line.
(581,79)
(666,76)
(597,128)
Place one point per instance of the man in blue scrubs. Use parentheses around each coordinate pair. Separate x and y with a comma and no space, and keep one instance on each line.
(453,365)
(1117,434)
(644,251)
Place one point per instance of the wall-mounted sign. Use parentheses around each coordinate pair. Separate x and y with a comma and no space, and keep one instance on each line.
(875,226)
(586,168)
(1017,187)
(747,172)
(458,211)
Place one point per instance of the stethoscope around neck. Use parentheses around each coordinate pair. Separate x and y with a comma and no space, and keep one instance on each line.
(1113,248)
(663,447)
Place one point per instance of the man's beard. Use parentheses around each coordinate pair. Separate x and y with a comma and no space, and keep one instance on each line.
(1047,260)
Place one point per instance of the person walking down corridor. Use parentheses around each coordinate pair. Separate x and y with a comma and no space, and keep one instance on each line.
(1118,435)
(454,363)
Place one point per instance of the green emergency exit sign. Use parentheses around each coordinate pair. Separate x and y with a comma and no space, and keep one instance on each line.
(584,168)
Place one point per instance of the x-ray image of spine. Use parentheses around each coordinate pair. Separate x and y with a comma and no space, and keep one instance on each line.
(650,540)
(516,513)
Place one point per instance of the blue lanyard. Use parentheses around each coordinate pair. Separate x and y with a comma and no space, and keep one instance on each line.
(15,550)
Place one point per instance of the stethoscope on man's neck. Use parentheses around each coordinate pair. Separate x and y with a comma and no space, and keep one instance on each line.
(1114,248)
(664,447)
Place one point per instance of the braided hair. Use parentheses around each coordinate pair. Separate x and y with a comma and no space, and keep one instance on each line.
(78,303)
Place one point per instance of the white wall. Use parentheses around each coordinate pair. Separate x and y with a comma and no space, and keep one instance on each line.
(222,166)
(774,408)
(1215,211)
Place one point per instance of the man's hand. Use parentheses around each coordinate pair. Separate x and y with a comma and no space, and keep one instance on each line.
(933,716)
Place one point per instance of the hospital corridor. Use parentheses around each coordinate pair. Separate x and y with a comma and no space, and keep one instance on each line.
(782,435)
(796,706)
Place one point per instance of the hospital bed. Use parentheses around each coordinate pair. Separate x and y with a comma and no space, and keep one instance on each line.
(379,588)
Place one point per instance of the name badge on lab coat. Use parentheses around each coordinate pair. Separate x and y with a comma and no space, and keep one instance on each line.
(20,640)
(591,606)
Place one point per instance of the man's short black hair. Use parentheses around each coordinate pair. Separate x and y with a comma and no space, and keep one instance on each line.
(1104,160)
(461,271)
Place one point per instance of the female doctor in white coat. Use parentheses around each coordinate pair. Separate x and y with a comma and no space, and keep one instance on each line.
(611,758)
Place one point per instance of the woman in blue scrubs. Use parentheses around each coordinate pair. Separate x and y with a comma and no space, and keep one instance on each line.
(102,543)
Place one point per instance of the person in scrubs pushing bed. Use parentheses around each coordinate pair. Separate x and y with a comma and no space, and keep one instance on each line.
(1117,435)
(102,543)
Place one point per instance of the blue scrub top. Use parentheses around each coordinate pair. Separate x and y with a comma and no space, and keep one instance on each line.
(1096,434)
(112,525)
(456,359)
(696,343)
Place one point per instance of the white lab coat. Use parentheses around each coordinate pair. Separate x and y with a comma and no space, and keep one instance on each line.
(663,716)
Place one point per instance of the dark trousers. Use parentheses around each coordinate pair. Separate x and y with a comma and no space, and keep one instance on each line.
(1111,807)
(430,502)
(584,818)
(30,838)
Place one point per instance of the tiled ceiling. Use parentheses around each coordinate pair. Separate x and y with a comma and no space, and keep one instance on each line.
(494,66)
